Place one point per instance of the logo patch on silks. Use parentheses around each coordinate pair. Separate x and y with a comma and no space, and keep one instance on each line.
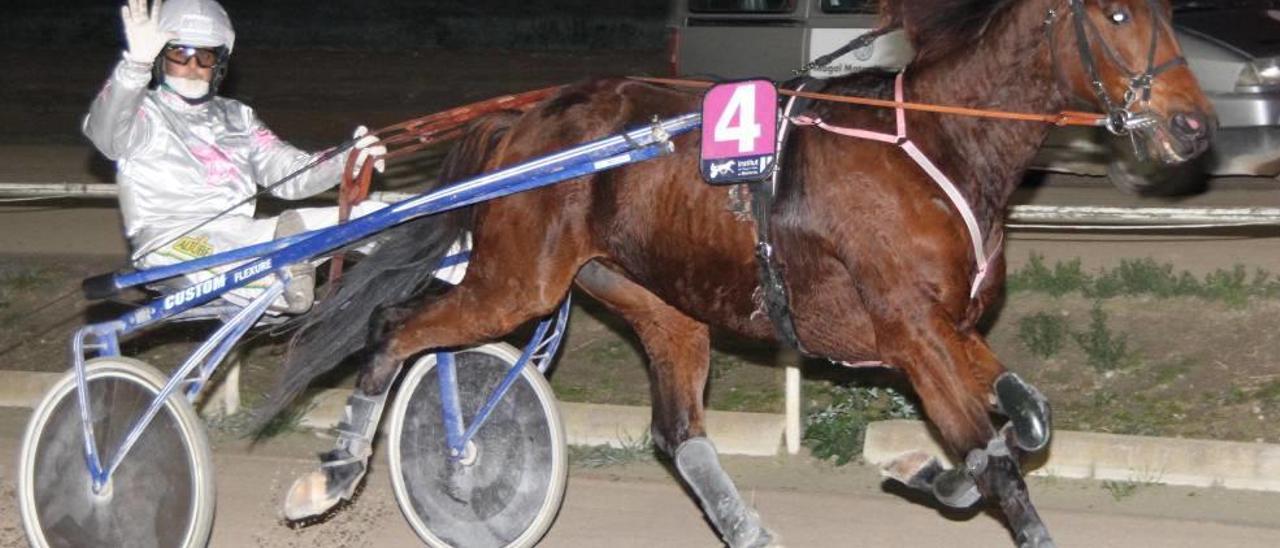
(739,131)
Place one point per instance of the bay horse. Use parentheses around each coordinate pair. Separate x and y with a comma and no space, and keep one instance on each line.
(876,261)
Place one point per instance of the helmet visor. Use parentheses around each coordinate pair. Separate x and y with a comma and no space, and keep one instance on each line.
(180,54)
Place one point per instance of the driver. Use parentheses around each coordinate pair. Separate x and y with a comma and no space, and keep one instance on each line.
(184,155)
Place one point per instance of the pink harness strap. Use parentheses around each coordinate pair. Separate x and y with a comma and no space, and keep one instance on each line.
(957,199)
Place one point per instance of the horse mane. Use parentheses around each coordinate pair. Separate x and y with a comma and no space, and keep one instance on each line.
(937,28)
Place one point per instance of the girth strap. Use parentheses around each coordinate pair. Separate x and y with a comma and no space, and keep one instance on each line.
(772,279)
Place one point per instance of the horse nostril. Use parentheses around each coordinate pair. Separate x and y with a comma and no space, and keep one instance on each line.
(1191,126)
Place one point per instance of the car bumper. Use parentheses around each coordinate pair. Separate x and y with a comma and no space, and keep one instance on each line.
(1246,110)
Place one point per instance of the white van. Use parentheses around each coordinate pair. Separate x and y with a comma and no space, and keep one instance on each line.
(776,38)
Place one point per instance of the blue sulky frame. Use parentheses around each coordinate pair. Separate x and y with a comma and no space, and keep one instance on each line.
(259,261)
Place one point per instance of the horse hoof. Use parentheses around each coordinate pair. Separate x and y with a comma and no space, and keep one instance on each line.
(915,469)
(321,490)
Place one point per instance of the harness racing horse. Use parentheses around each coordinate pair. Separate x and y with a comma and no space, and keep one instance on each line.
(877,262)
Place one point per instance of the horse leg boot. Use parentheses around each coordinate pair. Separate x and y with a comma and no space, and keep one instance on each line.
(1028,431)
(342,468)
(698,464)
(1001,478)
(679,351)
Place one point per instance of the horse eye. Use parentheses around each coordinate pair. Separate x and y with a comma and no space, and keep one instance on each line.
(1118,16)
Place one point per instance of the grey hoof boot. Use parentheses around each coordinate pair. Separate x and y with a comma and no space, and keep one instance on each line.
(322,489)
(738,525)
(1036,536)
(1028,411)
(955,487)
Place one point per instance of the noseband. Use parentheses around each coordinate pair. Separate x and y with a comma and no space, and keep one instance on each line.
(1121,117)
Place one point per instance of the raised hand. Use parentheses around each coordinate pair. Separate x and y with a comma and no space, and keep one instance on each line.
(370,147)
(142,31)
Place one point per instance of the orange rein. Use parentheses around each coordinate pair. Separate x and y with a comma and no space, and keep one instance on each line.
(1064,118)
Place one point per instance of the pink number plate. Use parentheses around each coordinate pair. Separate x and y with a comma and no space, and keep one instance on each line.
(739,131)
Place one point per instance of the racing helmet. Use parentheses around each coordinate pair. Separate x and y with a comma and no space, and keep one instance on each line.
(202,24)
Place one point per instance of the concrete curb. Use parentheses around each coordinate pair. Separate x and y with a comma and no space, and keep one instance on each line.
(755,434)
(25,388)
(1088,455)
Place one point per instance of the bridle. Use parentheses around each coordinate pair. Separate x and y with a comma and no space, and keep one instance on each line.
(1121,117)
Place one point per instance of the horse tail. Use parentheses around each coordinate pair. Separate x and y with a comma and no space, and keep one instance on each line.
(398,272)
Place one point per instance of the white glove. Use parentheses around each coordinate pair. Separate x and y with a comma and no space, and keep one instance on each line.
(369,146)
(142,31)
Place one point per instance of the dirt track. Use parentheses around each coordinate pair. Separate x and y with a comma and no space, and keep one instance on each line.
(639,505)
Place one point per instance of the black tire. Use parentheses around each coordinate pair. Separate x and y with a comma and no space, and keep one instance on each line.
(161,495)
(509,493)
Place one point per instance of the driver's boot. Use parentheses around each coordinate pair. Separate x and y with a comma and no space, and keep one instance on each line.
(299,289)
(342,468)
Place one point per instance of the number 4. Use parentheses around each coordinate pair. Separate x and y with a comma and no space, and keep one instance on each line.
(742,104)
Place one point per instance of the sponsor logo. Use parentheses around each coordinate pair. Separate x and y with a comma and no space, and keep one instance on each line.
(251,271)
(194,246)
(195,291)
(143,315)
(722,168)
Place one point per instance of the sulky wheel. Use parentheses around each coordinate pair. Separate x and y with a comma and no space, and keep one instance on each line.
(507,489)
(161,494)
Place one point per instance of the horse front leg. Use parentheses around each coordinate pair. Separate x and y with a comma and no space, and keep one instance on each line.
(957,377)
(679,351)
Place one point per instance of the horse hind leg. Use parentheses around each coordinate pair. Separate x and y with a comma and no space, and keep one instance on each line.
(956,377)
(679,351)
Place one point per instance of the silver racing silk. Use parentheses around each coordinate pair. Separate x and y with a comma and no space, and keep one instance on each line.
(180,164)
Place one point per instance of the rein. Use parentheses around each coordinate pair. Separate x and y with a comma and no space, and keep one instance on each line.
(1064,118)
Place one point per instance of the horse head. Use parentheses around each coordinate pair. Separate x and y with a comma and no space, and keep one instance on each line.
(1121,56)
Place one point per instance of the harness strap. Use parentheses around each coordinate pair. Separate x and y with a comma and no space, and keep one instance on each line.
(772,281)
(980,255)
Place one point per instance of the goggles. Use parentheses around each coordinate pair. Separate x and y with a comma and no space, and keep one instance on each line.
(180,54)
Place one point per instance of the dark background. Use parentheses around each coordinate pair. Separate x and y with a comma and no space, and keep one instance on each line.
(377,24)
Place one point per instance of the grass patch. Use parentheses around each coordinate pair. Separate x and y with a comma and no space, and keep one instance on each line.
(1121,490)
(1063,278)
(1042,333)
(1144,277)
(836,432)
(1106,351)
(599,456)
(723,364)
(287,421)
(19,279)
